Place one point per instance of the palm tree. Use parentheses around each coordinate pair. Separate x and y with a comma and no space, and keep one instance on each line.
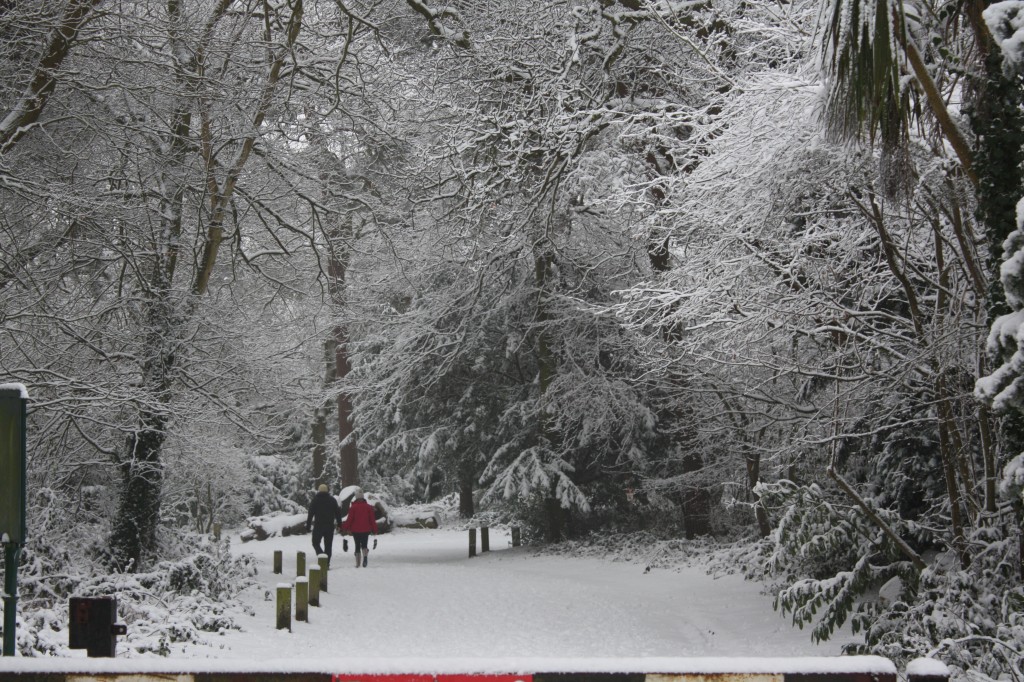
(864,70)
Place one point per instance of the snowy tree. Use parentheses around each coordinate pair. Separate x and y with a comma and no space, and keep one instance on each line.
(124,164)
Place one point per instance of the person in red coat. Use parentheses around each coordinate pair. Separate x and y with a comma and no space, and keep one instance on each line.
(361,521)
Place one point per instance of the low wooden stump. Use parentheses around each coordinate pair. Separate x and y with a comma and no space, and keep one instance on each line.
(324,562)
(314,587)
(284,606)
(302,599)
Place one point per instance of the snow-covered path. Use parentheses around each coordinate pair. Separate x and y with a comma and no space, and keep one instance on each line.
(422,597)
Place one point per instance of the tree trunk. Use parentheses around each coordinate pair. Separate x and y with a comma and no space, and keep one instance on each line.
(466,508)
(555,515)
(997,120)
(319,438)
(134,535)
(696,501)
(989,457)
(338,237)
(221,193)
(753,460)
(953,492)
(349,454)
(900,543)
(337,188)
(938,106)
(546,368)
(133,538)
(134,529)
(319,435)
(41,86)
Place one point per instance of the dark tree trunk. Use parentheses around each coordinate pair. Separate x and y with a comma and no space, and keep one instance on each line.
(138,514)
(544,259)
(133,538)
(346,433)
(753,460)
(319,435)
(43,81)
(339,233)
(696,501)
(555,517)
(339,236)
(466,508)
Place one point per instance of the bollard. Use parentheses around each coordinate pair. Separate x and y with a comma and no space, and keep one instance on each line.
(216,532)
(91,626)
(284,606)
(302,599)
(485,539)
(323,561)
(472,542)
(300,563)
(515,536)
(278,562)
(314,587)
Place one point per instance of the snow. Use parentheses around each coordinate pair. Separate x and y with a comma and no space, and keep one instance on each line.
(872,665)
(890,592)
(423,604)
(1002,384)
(1006,21)
(927,667)
(275,523)
(19,388)
(1005,330)
(347,492)
(1013,477)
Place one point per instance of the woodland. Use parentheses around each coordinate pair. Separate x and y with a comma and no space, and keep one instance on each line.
(747,274)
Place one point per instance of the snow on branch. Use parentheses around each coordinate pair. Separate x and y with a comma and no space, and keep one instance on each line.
(1006,22)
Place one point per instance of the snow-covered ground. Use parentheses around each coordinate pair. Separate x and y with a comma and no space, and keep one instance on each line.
(422,597)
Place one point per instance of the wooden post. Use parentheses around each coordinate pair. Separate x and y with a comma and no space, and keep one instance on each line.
(314,587)
(300,563)
(485,539)
(278,562)
(515,536)
(216,532)
(302,599)
(472,542)
(322,560)
(284,606)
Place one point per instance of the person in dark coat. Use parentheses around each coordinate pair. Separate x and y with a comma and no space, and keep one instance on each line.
(324,515)
(361,521)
